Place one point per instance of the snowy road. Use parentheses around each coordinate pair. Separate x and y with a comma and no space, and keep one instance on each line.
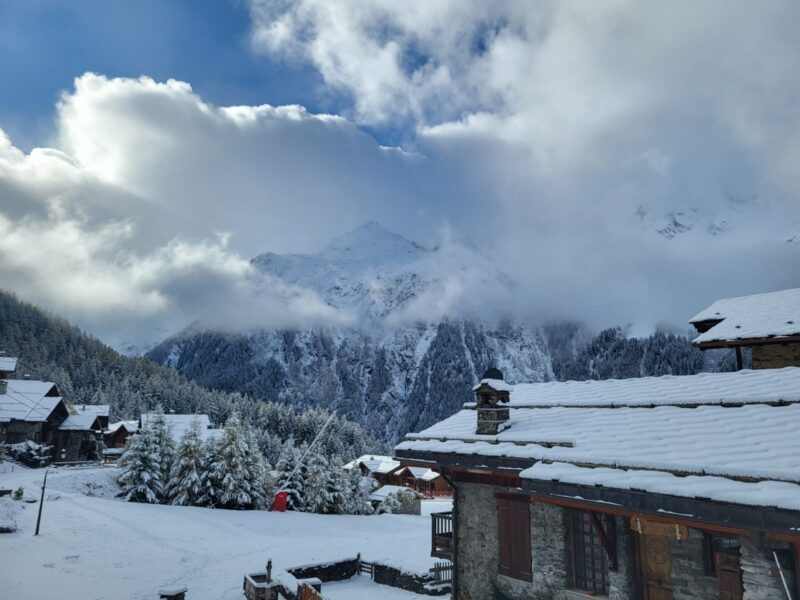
(99,548)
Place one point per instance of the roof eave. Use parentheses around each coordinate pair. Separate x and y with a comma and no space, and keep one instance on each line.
(763,341)
(699,510)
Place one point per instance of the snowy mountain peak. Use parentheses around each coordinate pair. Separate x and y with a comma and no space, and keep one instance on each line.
(377,273)
(372,243)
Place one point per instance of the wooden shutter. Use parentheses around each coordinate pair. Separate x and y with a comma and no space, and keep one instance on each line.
(505,530)
(514,537)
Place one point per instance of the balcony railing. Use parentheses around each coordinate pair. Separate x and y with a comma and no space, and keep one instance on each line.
(442,535)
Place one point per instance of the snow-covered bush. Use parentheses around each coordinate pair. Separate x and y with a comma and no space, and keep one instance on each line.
(30,453)
(399,502)
(140,476)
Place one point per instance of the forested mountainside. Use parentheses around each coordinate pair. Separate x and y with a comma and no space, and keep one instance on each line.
(408,378)
(87,371)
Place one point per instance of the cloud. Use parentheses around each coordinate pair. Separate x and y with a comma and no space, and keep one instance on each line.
(566,141)
(561,121)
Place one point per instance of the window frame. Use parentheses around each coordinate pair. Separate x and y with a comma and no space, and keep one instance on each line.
(585,577)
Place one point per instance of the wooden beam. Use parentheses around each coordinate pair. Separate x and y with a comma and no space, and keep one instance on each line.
(614,510)
(739,361)
(611,550)
(787,339)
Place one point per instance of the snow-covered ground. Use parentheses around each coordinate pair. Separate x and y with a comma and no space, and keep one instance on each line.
(93,546)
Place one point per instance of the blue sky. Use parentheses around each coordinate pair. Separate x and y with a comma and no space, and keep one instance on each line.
(45,44)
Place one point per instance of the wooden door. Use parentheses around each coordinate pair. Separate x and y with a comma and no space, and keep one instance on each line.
(729,573)
(656,565)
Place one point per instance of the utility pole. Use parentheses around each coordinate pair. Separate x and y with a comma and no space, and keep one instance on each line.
(41,503)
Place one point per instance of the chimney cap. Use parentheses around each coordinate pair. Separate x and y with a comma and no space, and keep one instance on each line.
(493,373)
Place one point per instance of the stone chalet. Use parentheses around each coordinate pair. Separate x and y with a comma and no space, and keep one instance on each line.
(769,324)
(659,488)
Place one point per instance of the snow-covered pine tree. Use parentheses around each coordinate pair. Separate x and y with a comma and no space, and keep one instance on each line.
(186,478)
(211,478)
(291,480)
(165,444)
(140,476)
(259,471)
(358,494)
(235,489)
(317,494)
(338,486)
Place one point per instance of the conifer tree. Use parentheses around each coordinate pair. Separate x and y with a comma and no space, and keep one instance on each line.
(317,493)
(140,477)
(211,478)
(358,502)
(235,489)
(186,478)
(258,471)
(162,433)
(291,479)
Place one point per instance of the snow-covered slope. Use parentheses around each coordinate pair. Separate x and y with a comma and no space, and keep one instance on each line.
(411,360)
(376,273)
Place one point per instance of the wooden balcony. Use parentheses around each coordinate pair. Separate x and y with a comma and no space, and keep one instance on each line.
(442,535)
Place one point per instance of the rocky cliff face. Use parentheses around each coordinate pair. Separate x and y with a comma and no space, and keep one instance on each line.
(396,371)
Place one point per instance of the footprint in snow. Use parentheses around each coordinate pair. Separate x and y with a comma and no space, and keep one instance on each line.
(49,565)
(72,557)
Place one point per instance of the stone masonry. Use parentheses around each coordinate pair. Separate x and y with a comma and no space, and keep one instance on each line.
(760,574)
(776,356)
(478,550)
(689,579)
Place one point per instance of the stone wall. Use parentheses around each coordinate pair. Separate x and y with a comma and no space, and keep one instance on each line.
(478,549)
(776,356)
(419,584)
(760,575)
(689,579)
(333,571)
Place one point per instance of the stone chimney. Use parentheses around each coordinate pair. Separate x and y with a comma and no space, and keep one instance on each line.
(492,396)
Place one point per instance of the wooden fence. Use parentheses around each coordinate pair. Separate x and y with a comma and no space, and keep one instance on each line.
(442,572)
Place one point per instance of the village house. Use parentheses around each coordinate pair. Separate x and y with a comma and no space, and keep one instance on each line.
(380,468)
(178,425)
(659,488)
(768,324)
(30,410)
(34,411)
(80,435)
(116,437)
(424,480)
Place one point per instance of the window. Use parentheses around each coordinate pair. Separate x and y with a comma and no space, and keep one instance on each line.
(514,533)
(589,559)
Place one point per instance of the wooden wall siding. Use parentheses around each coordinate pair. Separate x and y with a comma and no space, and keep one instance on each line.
(776,356)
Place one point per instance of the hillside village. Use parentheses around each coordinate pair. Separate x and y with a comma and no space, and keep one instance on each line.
(681,487)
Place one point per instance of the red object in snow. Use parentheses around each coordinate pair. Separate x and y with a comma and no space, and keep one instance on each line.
(280,501)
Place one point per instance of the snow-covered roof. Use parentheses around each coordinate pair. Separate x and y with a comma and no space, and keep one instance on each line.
(422,473)
(28,400)
(383,492)
(8,364)
(495,384)
(776,314)
(779,494)
(99,410)
(724,435)
(375,463)
(129,426)
(738,387)
(79,422)
(179,425)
